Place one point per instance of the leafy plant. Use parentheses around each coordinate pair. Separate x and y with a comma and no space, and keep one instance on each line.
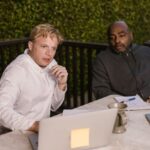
(81,20)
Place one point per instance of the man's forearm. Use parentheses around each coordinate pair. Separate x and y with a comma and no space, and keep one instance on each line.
(62,86)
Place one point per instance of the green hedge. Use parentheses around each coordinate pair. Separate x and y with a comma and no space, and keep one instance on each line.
(81,20)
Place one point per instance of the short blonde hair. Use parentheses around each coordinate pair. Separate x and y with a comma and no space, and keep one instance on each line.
(45,30)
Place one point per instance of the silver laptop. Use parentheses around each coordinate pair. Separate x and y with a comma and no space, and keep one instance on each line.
(83,131)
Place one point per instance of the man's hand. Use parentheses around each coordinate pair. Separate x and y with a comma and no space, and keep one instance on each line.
(148,100)
(61,75)
(34,127)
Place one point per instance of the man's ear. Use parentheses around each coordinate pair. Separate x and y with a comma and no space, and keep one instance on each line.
(30,45)
(131,35)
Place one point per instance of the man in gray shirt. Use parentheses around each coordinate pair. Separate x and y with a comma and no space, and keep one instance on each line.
(124,68)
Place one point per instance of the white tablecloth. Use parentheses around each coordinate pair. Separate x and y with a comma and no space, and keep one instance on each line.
(137,136)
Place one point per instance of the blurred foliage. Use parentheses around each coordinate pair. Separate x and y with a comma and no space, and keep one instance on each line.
(81,20)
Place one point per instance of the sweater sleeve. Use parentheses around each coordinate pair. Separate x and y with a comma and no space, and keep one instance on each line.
(58,95)
(58,98)
(9,92)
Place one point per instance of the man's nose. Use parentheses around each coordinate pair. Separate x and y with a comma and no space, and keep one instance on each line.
(49,51)
(117,39)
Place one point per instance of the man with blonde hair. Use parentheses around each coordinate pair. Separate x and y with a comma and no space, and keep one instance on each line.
(33,84)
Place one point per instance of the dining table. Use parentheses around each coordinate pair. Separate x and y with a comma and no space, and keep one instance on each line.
(136,136)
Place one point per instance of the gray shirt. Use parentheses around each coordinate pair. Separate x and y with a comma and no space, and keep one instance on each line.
(122,73)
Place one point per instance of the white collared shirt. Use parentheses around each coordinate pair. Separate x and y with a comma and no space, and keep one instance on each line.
(27,93)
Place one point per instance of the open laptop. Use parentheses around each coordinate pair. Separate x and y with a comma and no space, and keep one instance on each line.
(83,131)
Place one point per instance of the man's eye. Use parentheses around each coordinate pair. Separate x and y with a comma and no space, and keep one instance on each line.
(122,35)
(43,46)
(54,49)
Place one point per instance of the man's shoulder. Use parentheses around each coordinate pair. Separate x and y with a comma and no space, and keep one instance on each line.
(103,57)
(140,47)
(145,47)
(141,50)
(21,59)
(104,53)
(16,64)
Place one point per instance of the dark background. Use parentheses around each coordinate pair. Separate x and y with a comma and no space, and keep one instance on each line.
(79,20)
